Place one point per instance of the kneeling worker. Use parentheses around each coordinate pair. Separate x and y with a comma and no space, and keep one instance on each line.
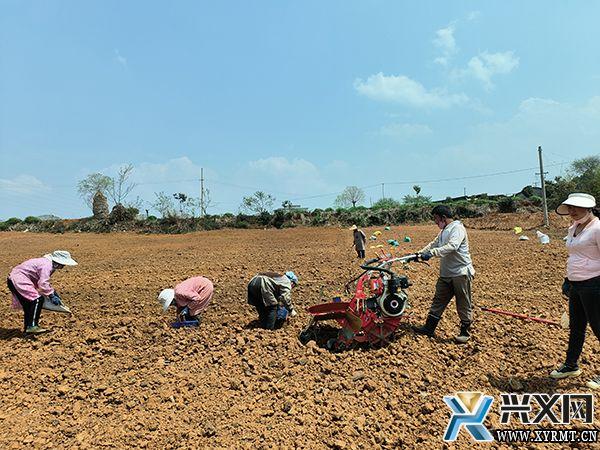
(271,294)
(191,297)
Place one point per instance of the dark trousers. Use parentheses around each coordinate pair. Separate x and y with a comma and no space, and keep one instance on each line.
(32,309)
(445,289)
(267,315)
(584,308)
(360,253)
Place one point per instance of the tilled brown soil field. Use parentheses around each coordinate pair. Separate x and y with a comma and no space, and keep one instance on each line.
(116,375)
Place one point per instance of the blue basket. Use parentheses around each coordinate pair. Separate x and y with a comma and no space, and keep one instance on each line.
(185,323)
(282,313)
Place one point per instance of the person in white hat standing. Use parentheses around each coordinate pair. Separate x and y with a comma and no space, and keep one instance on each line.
(29,283)
(582,283)
(360,239)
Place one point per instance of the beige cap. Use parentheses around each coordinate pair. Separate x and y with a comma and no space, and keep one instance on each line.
(166,297)
(61,257)
(577,199)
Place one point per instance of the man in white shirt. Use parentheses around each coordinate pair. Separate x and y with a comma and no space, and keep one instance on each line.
(456,273)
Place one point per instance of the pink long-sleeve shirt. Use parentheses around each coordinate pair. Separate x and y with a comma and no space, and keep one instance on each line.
(194,293)
(32,279)
(584,252)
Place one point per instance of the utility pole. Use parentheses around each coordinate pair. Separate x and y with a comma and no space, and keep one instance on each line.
(543,181)
(202,192)
(382,190)
(465,191)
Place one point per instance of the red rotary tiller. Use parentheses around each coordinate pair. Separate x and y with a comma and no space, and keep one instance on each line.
(372,316)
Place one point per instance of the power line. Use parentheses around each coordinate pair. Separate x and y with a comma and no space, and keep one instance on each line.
(190,180)
(556,154)
(439,180)
(254,188)
(468,177)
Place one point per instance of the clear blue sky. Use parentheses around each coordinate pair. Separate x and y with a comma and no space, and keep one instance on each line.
(297,98)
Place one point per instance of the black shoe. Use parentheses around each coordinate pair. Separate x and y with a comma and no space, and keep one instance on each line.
(183,314)
(565,371)
(429,328)
(464,335)
(197,318)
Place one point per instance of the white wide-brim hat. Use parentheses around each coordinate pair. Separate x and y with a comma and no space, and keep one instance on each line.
(166,297)
(577,199)
(61,257)
(353,227)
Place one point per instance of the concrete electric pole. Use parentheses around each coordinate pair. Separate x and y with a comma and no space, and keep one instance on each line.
(543,181)
(201,192)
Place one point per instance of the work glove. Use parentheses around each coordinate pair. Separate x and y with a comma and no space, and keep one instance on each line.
(293,313)
(425,256)
(55,298)
(566,287)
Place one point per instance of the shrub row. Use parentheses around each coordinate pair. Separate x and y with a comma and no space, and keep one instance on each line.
(125,220)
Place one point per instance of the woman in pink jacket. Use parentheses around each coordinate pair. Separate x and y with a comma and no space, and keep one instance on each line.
(582,284)
(191,296)
(29,283)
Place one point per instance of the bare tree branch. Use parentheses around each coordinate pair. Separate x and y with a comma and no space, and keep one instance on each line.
(120,187)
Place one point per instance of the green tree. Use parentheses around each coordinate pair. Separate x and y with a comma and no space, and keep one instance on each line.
(350,197)
(258,203)
(583,176)
(586,173)
(94,182)
(181,198)
(188,206)
(386,203)
(164,205)
(586,166)
(416,199)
